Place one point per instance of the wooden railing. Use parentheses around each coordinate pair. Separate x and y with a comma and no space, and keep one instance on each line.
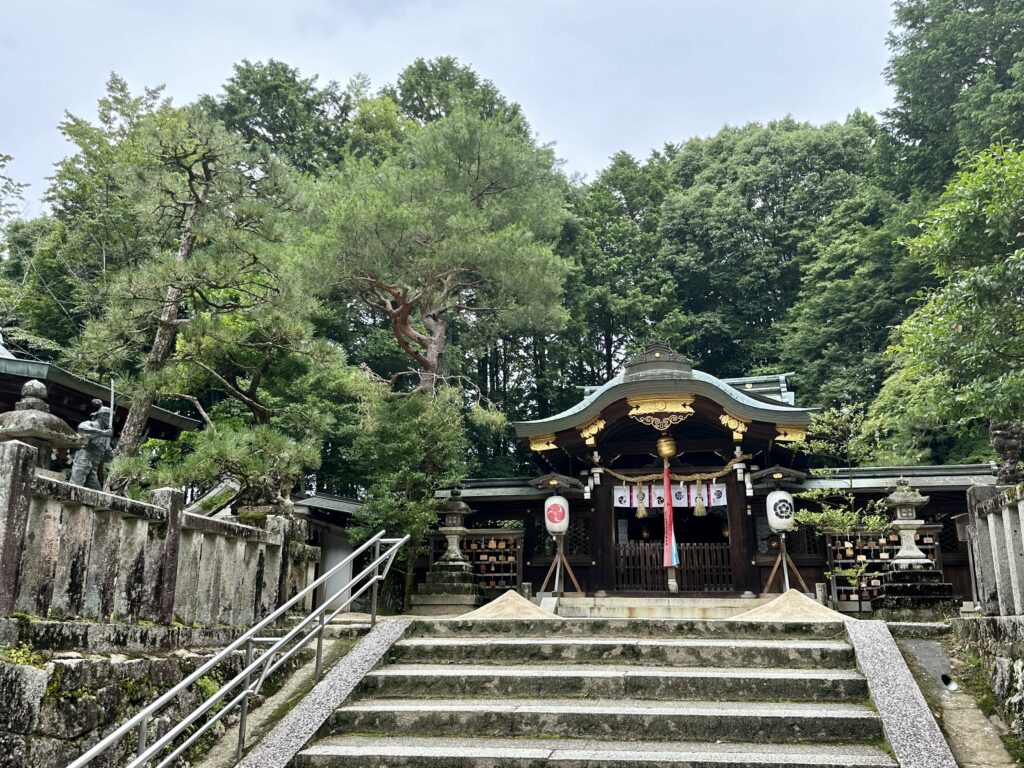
(703,568)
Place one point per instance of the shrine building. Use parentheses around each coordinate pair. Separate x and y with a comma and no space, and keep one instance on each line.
(728,444)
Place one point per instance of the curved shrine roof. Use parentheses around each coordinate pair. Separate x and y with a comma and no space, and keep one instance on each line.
(661,372)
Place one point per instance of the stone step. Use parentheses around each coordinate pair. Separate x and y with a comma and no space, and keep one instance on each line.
(666,607)
(615,681)
(627,720)
(713,652)
(622,628)
(365,752)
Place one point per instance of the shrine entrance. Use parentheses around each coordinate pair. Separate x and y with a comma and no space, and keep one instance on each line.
(705,564)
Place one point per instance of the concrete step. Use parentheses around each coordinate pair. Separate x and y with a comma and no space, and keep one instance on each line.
(621,720)
(622,628)
(614,681)
(364,752)
(713,652)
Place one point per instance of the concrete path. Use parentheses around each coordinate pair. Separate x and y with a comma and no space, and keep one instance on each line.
(973,738)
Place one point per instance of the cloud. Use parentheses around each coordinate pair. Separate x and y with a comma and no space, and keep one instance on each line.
(594,77)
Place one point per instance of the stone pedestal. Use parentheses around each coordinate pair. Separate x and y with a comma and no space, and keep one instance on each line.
(451,588)
(914,594)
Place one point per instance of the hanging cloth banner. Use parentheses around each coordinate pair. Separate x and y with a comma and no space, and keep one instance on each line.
(671,552)
(623,495)
(684,495)
(631,496)
(717,495)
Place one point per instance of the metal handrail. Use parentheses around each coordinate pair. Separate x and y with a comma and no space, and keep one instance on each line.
(260,668)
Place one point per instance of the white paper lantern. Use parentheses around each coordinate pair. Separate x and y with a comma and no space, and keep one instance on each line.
(556,515)
(780,511)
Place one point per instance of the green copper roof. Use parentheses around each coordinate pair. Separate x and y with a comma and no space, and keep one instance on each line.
(670,377)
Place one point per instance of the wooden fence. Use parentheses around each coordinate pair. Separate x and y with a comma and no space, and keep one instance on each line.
(703,568)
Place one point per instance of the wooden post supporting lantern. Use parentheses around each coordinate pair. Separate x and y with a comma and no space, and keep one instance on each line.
(780,520)
(556,520)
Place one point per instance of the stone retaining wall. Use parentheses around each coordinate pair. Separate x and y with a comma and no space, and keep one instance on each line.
(54,712)
(999,641)
(67,552)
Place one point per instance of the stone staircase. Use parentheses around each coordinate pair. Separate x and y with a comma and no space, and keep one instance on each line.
(590,693)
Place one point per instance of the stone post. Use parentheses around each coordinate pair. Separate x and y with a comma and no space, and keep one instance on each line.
(17,468)
(173,501)
(980,543)
(913,589)
(1014,555)
(999,562)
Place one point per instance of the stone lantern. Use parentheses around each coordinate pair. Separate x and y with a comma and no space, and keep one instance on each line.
(913,589)
(31,422)
(904,503)
(453,518)
(451,586)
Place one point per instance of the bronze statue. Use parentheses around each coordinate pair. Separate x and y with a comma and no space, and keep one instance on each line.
(97,433)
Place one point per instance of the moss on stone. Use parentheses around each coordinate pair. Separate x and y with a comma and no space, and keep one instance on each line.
(23,654)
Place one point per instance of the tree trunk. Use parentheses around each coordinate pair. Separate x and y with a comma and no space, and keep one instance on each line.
(134,429)
(438,329)
(142,400)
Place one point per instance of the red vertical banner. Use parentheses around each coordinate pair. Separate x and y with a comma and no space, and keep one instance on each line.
(671,552)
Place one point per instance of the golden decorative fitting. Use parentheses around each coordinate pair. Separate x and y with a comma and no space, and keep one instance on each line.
(666,446)
(542,443)
(589,431)
(737,424)
(790,433)
(660,411)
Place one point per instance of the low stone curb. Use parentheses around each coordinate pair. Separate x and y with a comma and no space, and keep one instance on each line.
(909,726)
(919,629)
(295,729)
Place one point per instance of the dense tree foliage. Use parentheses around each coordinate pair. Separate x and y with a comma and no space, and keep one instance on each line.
(406,448)
(961,353)
(271,105)
(457,225)
(958,74)
(430,89)
(352,287)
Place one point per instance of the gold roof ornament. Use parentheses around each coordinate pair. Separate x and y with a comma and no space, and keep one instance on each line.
(589,431)
(737,424)
(790,433)
(660,411)
(543,443)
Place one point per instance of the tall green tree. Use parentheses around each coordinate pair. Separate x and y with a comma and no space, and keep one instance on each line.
(10,190)
(408,447)
(855,289)
(430,89)
(210,218)
(271,105)
(59,268)
(736,231)
(960,355)
(957,69)
(457,226)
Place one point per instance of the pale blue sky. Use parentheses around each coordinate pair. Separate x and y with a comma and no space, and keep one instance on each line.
(593,77)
